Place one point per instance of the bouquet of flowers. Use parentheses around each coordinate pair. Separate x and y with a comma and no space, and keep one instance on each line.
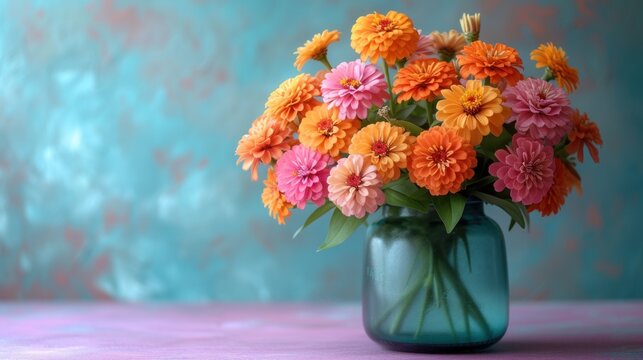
(446,117)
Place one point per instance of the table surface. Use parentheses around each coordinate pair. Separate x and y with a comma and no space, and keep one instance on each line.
(294,331)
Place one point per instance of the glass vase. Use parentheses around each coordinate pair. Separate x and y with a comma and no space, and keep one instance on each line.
(428,291)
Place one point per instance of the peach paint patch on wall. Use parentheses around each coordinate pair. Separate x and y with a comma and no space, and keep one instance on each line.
(146,28)
(608,268)
(594,217)
(586,13)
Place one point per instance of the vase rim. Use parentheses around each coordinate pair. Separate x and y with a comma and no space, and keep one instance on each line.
(472,205)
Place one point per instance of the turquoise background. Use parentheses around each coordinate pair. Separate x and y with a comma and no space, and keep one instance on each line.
(119,121)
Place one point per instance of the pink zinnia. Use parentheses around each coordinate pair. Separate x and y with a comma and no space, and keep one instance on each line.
(425,48)
(355,187)
(540,109)
(302,174)
(526,169)
(353,87)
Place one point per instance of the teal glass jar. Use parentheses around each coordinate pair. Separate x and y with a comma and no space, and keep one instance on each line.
(428,291)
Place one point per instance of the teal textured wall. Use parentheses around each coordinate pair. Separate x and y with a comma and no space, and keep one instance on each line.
(119,120)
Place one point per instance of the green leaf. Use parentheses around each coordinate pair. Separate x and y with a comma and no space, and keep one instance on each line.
(319,212)
(408,126)
(403,112)
(418,116)
(340,228)
(372,117)
(487,153)
(490,144)
(404,193)
(525,214)
(514,210)
(450,208)
(479,182)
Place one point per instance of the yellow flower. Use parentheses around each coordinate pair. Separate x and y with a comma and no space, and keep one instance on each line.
(474,111)
(385,146)
(322,130)
(316,48)
(274,200)
(554,58)
(391,37)
(293,98)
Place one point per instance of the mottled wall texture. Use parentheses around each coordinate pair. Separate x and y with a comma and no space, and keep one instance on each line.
(119,121)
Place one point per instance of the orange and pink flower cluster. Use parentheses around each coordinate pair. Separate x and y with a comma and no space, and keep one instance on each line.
(445,112)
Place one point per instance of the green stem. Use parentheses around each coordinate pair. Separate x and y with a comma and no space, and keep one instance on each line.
(390,87)
(395,325)
(548,75)
(428,284)
(324,60)
(426,302)
(465,242)
(467,322)
(430,108)
(464,295)
(471,37)
(411,293)
(435,274)
(440,290)
(415,260)
(404,301)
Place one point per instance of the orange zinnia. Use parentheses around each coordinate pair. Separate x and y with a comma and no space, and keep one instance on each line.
(441,160)
(554,58)
(474,111)
(584,133)
(423,79)
(266,140)
(385,146)
(564,181)
(391,37)
(496,62)
(316,48)
(294,97)
(274,200)
(322,130)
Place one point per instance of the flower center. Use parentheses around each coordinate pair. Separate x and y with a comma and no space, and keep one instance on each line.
(446,53)
(495,53)
(319,54)
(471,101)
(542,95)
(325,126)
(440,158)
(380,148)
(385,25)
(303,171)
(354,180)
(350,83)
(532,169)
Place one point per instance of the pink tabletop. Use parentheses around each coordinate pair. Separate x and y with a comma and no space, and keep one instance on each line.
(293,331)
